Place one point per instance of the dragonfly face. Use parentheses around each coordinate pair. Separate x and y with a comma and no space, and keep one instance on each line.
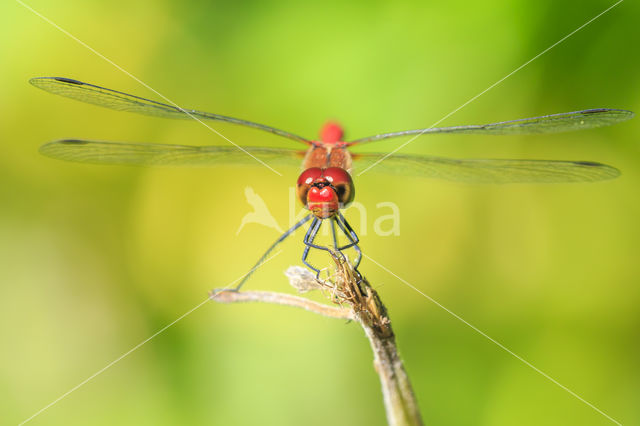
(325,190)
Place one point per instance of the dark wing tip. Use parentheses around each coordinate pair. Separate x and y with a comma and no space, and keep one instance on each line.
(589,163)
(67,80)
(49,147)
(36,81)
(70,142)
(606,172)
(620,114)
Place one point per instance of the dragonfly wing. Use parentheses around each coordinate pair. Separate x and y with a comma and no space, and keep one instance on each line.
(120,101)
(148,154)
(554,123)
(489,170)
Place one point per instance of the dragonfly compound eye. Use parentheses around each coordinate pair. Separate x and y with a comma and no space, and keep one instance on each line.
(306,179)
(341,180)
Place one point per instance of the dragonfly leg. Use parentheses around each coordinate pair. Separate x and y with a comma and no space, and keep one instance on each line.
(333,232)
(311,234)
(351,235)
(346,229)
(270,249)
(358,257)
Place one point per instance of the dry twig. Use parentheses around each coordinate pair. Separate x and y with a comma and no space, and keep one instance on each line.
(357,301)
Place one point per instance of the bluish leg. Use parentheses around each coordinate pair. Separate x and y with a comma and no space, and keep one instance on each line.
(333,232)
(308,241)
(348,231)
(352,236)
(270,249)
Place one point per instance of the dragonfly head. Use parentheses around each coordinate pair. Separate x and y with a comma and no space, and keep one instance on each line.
(331,132)
(324,191)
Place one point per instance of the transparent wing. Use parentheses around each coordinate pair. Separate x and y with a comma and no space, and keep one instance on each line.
(148,154)
(488,170)
(554,123)
(120,101)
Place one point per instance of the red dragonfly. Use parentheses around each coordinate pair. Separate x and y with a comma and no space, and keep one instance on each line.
(325,185)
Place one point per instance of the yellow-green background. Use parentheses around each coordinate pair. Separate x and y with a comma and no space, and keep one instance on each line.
(93,260)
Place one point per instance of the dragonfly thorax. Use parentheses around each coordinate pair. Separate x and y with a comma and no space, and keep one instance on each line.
(325,190)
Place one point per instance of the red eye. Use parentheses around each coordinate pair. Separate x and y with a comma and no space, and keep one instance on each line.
(341,180)
(306,179)
(324,191)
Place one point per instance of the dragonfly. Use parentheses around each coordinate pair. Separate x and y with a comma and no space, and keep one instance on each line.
(325,186)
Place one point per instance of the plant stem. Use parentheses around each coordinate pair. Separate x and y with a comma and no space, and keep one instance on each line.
(348,287)
(399,400)
(229,296)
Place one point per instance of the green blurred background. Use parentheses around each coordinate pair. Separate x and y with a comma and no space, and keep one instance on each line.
(95,259)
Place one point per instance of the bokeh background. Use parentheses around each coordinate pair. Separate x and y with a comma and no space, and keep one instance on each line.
(95,259)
